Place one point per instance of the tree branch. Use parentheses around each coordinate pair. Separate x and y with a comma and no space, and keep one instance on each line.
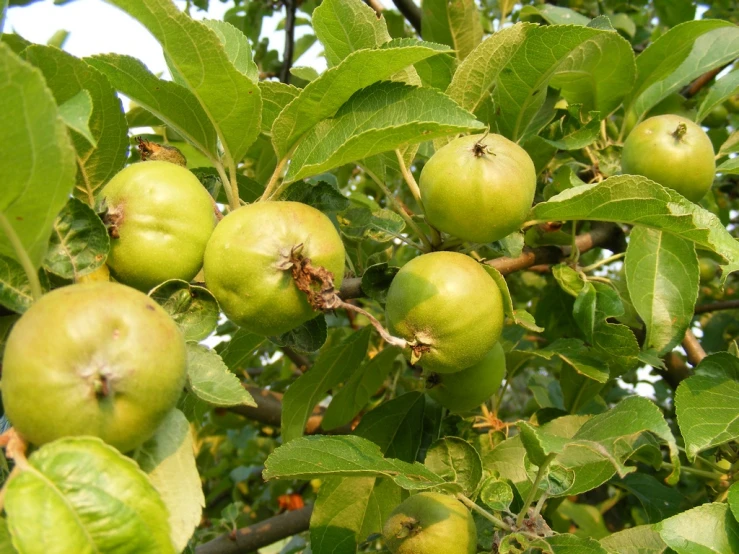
(290,7)
(693,348)
(411,12)
(601,234)
(695,87)
(249,539)
(375,5)
(716,306)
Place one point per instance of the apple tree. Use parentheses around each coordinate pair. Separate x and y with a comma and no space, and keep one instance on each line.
(470,289)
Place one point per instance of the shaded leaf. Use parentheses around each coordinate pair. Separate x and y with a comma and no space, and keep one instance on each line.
(333,366)
(15,290)
(193,308)
(79,242)
(360,387)
(706,404)
(316,456)
(307,337)
(240,348)
(453,22)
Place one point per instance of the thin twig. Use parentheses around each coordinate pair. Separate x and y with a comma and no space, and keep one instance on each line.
(272,183)
(290,7)
(484,513)
(409,179)
(387,337)
(716,306)
(534,488)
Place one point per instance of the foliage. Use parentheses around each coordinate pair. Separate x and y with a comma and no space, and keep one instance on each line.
(615,430)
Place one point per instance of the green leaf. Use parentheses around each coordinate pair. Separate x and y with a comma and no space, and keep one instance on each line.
(520,317)
(674,12)
(241,348)
(237,47)
(393,115)
(659,501)
(193,308)
(169,460)
(333,366)
(603,444)
(662,275)
(567,543)
(554,15)
(199,60)
(395,426)
(308,337)
(730,146)
(360,387)
(76,113)
(361,223)
(457,462)
(734,499)
(321,98)
(496,494)
(173,104)
(317,456)
(589,66)
(510,461)
(348,509)
(15,290)
(453,22)
(98,499)
(643,539)
(249,189)
(306,73)
(478,73)
(34,188)
(729,167)
(579,137)
(275,96)
(79,242)
(6,545)
(680,55)
(540,442)
(706,404)
(637,200)
(344,26)
(722,89)
(686,533)
(376,280)
(210,380)
(321,195)
(574,353)
(67,76)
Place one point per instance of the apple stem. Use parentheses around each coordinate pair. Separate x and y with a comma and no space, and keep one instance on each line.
(387,337)
(679,133)
(484,513)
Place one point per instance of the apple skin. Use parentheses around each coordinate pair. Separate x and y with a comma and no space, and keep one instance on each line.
(243,256)
(447,302)
(98,359)
(163,217)
(430,523)
(685,164)
(478,188)
(465,390)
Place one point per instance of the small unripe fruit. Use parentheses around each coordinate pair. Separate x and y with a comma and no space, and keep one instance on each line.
(478,188)
(248,269)
(160,219)
(465,390)
(430,523)
(97,359)
(448,308)
(674,152)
